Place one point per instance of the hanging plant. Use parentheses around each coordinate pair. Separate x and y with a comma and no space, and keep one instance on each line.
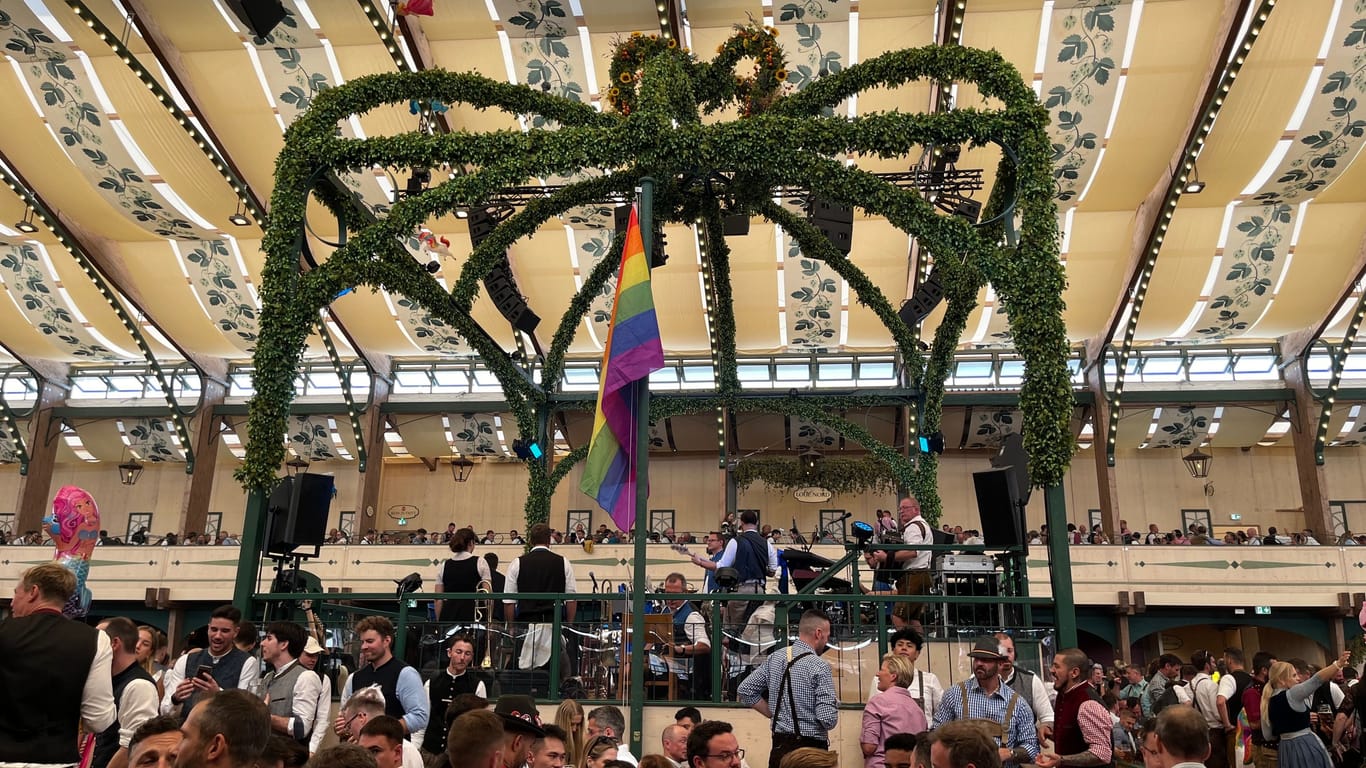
(837,475)
(658,95)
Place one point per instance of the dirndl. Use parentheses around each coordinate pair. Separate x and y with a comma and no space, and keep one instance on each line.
(1303,749)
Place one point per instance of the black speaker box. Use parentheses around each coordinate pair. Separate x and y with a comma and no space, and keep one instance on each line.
(296,515)
(260,16)
(999,508)
(927,296)
(508,299)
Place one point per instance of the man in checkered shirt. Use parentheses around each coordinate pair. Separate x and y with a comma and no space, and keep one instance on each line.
(986,699)
(1082,729)
(796,682)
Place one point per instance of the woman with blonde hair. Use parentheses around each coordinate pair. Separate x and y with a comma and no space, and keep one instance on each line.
(810,757)
(1285,713)
(570,718)
(598,752)
(891,710)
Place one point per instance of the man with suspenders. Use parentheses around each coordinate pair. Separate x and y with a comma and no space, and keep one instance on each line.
(987,700)
(925,687)
(1029,685)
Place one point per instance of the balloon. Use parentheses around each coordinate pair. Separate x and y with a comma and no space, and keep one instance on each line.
(75,527)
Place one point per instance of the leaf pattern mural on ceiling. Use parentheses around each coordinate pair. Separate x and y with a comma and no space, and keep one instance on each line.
(814,35)
(989,427)
(475,434)
(1086,44)
(65,93)
(1330,137)
(1186,426)
(296,70)
(152,439)
(33,286)
(310,437)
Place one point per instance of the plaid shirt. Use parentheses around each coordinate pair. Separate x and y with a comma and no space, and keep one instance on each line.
(812,690)
(991,706)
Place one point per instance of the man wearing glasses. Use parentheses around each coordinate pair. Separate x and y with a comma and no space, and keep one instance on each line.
(712,744)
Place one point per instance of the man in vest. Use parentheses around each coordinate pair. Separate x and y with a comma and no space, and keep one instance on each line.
(1204,696)
(55,675)
(291,689)
(400,683)
(1082,728)
(1263,755)
(985,698)
(221,666)
(690,645)
(135,695)
(1029,685)
(538,571)
(915,575)
(226,729)
(925,687)
(1229,698)
(754,557)
(442,689)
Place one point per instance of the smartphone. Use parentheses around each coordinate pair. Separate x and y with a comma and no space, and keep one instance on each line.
(204,671)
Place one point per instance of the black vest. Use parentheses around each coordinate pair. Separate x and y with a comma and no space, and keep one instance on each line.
(387,677)
(107,743)
(540,571)
(459,576)
(1023,683)
(443,689)
(1284,718)
(751,556)
(1235,703)
(40,699)
(227,672)
(701,663)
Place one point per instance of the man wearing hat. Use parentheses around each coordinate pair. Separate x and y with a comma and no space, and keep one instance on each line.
(521,727)
(985,698)
(309,660)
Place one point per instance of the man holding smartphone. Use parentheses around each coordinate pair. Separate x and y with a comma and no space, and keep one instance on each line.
(204,672)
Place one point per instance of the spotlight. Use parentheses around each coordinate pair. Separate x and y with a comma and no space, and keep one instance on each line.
(1195,186)
(462,213)
(26,226)
(433,266)
(239,219)
(863,533)
(527,449)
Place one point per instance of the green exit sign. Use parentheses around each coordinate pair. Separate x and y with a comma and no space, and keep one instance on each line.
(1263,610)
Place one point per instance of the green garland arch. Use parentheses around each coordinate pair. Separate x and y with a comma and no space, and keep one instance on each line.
(660,93)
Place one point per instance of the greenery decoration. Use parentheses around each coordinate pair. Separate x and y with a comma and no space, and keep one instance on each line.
(837,475)
(660,94)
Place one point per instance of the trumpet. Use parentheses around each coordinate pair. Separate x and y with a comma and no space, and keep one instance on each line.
(483,612)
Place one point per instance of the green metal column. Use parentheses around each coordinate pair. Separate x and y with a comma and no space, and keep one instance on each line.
(249,557)
(638,581)
(1060,567)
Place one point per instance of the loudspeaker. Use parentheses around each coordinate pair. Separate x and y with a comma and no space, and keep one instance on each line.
(508,299)
(296,515)
(926,297)
(999,508)
(735,225)
(835,221)
(260,16)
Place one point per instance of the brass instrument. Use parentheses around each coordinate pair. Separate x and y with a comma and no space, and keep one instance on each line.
(485,607)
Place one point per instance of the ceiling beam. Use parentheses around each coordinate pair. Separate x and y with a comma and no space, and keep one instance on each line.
(1149,220)
(1294,345)
(169,56)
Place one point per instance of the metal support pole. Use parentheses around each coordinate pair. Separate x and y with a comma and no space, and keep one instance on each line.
(249,563)
(1060,567)
(642,457)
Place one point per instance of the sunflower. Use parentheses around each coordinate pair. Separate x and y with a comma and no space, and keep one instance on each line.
(781,75)
(626,77)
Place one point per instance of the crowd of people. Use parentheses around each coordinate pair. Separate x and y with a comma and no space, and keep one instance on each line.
(1197,535)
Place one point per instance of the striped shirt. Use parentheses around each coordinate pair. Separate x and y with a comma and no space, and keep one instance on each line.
(812,690)
(981,705)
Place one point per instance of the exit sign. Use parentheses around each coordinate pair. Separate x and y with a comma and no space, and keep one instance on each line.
(1263,610)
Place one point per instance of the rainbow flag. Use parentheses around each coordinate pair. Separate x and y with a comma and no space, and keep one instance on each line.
(633,351)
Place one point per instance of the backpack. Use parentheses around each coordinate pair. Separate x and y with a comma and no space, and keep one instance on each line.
(1167,699)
